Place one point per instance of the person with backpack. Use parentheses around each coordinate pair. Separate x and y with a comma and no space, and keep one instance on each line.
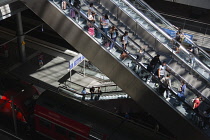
(114,34)
(124,40)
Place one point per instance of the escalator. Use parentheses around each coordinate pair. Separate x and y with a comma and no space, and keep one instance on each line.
(150,36)
(175,118)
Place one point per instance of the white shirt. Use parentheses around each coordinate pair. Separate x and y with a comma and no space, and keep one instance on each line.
(107,23)
(162,69)
(125,39)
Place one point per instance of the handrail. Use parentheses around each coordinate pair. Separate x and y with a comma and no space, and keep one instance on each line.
(139,64)
(177,76)
(175,16)
(146,127)
(87,93)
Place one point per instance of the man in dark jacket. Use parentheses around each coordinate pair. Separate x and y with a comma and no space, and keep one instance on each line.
(155,60)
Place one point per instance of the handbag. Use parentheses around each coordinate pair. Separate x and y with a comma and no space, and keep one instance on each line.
(91,31)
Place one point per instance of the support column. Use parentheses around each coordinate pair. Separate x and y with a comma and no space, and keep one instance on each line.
(20,37)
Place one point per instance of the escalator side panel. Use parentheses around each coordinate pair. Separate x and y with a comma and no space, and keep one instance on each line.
(122,76)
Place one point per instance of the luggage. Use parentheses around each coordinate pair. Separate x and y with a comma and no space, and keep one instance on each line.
(63,5)
(72,13)
(91,31)
(123,55)
(106,44)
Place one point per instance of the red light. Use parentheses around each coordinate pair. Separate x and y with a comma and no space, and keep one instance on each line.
(3,97)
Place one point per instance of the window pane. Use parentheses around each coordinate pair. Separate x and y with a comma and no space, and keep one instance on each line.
(45,123)
(60,130)
(72,135)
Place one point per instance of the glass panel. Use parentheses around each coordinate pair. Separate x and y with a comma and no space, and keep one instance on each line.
(72,135)
(60,130)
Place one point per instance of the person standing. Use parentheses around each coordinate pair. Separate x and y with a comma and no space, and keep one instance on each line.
(40,59)
(155,60)
(84,92)
(92,91)
(182,89)
(91,8)
(124,40)
(105,24)
(161,70)
(99,92)
(139,57)
(166,86)
(114,34)
(77,6)
(196,103)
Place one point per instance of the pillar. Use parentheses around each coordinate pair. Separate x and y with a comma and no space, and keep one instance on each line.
(20,37)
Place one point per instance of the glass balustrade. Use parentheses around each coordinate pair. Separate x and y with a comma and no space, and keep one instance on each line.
(129,61)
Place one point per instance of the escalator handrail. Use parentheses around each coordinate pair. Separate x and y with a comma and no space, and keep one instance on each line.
(87,93)
(142,66)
